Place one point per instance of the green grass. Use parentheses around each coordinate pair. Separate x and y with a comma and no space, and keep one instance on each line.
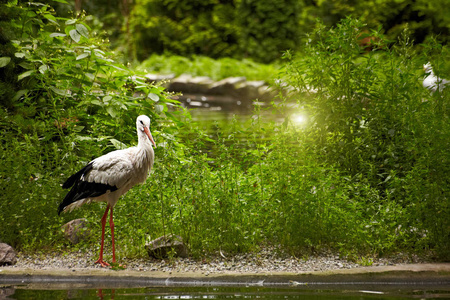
(216,69)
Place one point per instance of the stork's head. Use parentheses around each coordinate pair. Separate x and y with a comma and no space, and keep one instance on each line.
(143,126)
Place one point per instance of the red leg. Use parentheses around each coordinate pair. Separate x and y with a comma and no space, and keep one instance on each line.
(111,225)
(100,259)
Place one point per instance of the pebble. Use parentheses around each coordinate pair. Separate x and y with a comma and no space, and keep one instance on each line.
(266,260)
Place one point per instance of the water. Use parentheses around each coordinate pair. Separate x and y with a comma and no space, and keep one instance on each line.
(222,109)
(326,292)
(148,288)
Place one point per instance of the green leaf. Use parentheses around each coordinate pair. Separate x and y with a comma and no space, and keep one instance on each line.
(82,30)
(43,69)
(19,54)
(107,99)
(57,34)
(90,76)
(154,97)
(4,61)
(159,108)
(99,55)
(51,18)
(19,94)
(99,51)
(25,74)
(71,21)
(96,102)
(75,35)
(118,144)
(27,65)
(59,91)
(83,55)
(111,111)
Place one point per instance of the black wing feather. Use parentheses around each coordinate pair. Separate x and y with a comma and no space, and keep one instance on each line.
(82,189)
(72,179)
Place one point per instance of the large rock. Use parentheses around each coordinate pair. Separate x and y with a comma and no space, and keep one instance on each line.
(7,255)
(76,230)
(226,86)
(165,246)
(236,88)
(248,90)
(187,84)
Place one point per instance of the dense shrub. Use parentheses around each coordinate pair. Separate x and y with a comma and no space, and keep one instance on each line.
(268,28)
(216,69)
(367,174)
(422,17)
(373,120)
(184,28)
(261,30)
(72,105)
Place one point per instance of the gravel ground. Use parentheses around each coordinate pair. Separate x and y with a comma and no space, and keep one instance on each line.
(264,261)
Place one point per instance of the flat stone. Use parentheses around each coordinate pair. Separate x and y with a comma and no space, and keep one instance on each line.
(165,246)
(187,84)
(180,83)
(76,230)
(248,90)
(8,255)
(226,86)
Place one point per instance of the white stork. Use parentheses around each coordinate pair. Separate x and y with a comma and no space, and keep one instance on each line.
(431,81)
(110,176)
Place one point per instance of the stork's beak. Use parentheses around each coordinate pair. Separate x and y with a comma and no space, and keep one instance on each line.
(147,132)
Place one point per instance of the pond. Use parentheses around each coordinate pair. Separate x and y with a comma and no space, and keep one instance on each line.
(145,288)
(325,292)
(222,109)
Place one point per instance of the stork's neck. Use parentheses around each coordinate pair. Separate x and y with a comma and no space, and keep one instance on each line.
(145,154)
(143,140)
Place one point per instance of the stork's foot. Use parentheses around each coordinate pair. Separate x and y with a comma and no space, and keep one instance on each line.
(102,263)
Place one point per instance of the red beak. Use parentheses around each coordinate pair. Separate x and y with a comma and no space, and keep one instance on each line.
(147,132)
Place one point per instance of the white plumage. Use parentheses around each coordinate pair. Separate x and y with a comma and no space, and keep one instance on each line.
(110,176)
(431,81)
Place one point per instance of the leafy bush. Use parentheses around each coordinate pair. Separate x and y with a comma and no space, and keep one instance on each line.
(73,104)
(367,175)
(267,28)
(259,30)
(373,120)
(184,28)
(422,17)
(216,69)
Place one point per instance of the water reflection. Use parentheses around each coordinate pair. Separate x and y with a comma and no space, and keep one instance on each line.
(222,109)
(326,292)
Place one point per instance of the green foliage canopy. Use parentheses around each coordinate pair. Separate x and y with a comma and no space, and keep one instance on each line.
(184,27)
(262,30)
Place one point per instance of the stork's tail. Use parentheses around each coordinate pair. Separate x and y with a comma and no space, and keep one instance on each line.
(81,189)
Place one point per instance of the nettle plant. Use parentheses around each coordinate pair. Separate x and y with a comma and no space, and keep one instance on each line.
(67,65)
(73,102)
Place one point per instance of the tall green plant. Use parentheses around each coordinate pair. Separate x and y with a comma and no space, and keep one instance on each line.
(371,116)
(75,102)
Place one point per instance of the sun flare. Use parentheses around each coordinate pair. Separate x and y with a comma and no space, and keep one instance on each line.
(299,119)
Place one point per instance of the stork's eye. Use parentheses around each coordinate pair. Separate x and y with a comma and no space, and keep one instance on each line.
(141,122)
